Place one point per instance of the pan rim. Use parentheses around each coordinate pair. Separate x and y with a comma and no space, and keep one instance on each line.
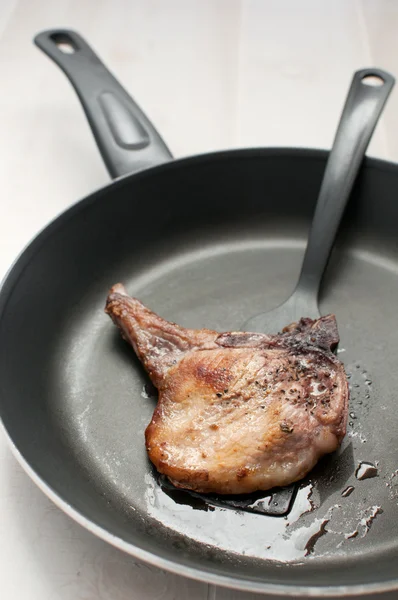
(10,279)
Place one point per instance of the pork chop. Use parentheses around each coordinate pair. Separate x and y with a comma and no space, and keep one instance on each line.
(237,412)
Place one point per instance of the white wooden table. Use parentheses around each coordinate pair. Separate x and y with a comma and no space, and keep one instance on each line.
(211,74)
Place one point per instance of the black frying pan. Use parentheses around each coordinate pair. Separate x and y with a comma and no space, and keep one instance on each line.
(208,242)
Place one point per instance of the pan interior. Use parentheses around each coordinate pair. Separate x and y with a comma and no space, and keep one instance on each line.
(76,401)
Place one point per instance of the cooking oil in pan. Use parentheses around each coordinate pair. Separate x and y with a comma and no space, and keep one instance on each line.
(246,524)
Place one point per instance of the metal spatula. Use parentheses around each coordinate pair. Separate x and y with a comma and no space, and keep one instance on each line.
(366,98)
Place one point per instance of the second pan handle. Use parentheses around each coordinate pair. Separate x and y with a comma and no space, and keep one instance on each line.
(127,140)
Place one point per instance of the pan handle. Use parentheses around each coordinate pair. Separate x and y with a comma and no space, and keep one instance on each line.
(127,140)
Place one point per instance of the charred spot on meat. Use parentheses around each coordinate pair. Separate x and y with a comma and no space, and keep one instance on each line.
(237,412)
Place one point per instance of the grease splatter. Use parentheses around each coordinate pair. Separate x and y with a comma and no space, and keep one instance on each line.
(366,470)
(365,523)
(310,545)
(348,491)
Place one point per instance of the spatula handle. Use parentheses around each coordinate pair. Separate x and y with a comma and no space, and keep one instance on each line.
(368,93)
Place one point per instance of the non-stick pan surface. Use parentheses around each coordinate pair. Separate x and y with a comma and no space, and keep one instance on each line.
(206,242)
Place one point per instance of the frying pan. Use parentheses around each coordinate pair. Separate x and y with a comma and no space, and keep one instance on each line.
(205,241)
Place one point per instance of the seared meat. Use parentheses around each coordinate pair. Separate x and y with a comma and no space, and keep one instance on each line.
(237,412)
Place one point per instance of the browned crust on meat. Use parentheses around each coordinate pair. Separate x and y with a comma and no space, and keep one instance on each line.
(237,411)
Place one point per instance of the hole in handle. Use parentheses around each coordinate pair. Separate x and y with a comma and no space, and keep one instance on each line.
(373,80)
(64,43)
